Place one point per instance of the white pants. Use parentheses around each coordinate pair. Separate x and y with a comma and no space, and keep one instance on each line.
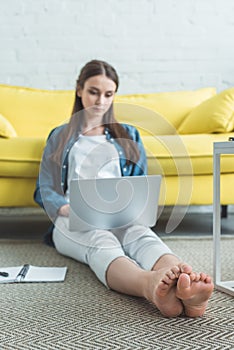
(98,248)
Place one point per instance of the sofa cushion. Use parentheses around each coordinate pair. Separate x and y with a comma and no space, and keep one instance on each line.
(6,129)
(211,116)
(172,107)
(179,155)
(147,121)
(20,156)
(34,112)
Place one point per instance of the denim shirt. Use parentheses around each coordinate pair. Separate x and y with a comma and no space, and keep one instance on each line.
(51,184)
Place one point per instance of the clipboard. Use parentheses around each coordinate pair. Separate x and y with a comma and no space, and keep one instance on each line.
(30,273)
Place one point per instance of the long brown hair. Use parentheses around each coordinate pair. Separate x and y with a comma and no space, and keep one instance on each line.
(74,127)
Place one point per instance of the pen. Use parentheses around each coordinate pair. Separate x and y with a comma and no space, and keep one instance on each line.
(4,274)
(22,272)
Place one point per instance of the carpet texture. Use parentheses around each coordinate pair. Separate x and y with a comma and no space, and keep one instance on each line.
(81,313)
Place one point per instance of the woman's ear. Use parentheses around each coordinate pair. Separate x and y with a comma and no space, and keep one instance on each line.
(78,91)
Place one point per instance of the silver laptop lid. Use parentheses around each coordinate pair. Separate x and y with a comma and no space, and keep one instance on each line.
(110,203)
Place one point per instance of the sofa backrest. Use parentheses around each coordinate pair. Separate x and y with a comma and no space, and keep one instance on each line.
(34,112)
(160,113)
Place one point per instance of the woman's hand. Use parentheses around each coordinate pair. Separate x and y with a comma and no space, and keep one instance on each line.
(64,210)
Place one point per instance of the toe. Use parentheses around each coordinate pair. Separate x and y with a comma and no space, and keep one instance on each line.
(208,280)
(197,277)
(203,276)
(176,271)
(185,268)
(166,279)
(170,274)
(163,286)
(183,282)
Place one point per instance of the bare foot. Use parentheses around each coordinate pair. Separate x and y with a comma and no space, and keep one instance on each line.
(162,291)
(194,290)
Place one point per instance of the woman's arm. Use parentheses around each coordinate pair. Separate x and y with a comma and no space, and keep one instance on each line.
(49,192)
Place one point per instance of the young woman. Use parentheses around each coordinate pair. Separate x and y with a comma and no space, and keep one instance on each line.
(93,144)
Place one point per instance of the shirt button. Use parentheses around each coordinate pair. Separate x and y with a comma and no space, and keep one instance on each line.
(120,153)
(112,140)
(62,183)
(67,150)
(124,169)
(64,166)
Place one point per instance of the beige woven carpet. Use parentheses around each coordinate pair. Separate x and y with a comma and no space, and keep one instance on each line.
(82,314)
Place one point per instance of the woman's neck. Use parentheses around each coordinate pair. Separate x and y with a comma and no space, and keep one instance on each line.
(93,130)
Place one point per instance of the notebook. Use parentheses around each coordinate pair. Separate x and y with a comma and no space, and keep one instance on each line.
(30,273)
(110,203)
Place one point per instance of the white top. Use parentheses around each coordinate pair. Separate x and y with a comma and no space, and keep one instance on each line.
(92,157)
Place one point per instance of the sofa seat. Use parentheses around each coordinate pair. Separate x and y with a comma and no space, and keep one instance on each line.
(20,157)
(171,155)
(179,155)
(185,162)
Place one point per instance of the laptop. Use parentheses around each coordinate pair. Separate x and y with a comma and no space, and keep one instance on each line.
(110,203)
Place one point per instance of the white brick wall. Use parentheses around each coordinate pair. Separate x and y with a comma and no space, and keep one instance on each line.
(155,45)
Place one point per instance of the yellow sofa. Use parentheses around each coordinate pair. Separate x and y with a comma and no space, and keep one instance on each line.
(178,130)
